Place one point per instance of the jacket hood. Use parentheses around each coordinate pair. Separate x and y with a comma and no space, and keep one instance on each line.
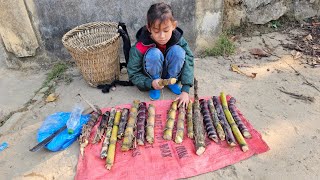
(143,35)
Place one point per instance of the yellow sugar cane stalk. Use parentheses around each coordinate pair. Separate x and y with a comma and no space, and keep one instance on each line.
(232,123)
(113,141)
(189,120)
(215,120)
(128,133)
(167,134)
(106,142)
(150,123)
(180,125)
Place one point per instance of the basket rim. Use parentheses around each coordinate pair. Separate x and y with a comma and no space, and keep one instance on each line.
(86,26)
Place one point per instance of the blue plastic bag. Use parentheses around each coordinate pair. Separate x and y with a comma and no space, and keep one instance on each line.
(54,122)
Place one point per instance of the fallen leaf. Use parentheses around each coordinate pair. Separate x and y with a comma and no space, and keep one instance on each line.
(236,69)
(253,75)
(296,54)
(259,52)
(52,97)
(308,38)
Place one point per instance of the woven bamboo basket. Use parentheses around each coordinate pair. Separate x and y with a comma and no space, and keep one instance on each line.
(95,49)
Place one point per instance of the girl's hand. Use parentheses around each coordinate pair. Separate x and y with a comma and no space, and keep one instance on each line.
(155,84)
(183,99)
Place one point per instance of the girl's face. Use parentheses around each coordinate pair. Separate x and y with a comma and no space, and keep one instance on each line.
(161,32)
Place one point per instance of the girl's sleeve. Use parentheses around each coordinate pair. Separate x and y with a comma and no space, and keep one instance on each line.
(187,73)
(135,70)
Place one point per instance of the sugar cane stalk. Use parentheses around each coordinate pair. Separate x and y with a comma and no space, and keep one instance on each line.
(128,134)
(141,123)
(180,125)
(243,128)
(167,134)
(106,142)
(211,131)
(166,82)
(215,120)
(102,127)
(198,123)
(113,141)
(226,127)
(123,122)
(233,124)
(86,130)
(150,123)
(189,120)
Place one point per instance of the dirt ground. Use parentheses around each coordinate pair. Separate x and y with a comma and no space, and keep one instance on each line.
(290,124)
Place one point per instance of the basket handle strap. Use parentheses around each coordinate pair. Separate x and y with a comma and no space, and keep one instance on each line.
(122,29)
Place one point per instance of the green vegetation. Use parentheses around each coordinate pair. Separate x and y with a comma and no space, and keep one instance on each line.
(223,47)
(56,72)
(275,24)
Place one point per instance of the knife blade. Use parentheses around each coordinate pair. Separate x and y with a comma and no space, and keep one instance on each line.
(47,140)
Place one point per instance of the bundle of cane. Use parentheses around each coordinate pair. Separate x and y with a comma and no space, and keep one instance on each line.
(215,120)
(234,127)
(123,122)
(113,141)
(211,131)
(141,122)
(150,123)
(129,132)
(198,123)
(226,127)
(106,142)
(233,109)
(180,125)
(86,130)
(167,133)
(102,127)
(189,120)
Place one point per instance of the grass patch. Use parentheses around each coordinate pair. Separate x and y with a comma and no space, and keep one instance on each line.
(223,47)
(56,72)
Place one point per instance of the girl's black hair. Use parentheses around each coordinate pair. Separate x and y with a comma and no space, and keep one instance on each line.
(159,11)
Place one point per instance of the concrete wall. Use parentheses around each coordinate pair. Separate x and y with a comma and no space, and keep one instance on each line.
(35,28)
(55,19)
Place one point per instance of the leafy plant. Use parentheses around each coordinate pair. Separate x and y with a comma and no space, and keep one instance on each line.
(56,72)
(223,47)
(275,24)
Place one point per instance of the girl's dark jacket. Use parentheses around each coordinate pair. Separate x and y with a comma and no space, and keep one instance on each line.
(135,67)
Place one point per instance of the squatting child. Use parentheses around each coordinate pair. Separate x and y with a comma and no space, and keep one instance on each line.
(161,52)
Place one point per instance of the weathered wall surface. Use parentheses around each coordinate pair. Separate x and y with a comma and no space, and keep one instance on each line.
(209,15)
(35,28)
(55,19)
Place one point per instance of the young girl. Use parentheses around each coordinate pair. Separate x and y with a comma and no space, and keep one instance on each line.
(161,52)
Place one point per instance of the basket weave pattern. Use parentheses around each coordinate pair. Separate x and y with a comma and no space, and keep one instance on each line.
(95,49)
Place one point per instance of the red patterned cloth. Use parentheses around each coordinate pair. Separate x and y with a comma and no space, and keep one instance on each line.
(165,159)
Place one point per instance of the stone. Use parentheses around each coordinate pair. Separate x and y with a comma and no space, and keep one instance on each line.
(16,29)
(269,12)
(306,9)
